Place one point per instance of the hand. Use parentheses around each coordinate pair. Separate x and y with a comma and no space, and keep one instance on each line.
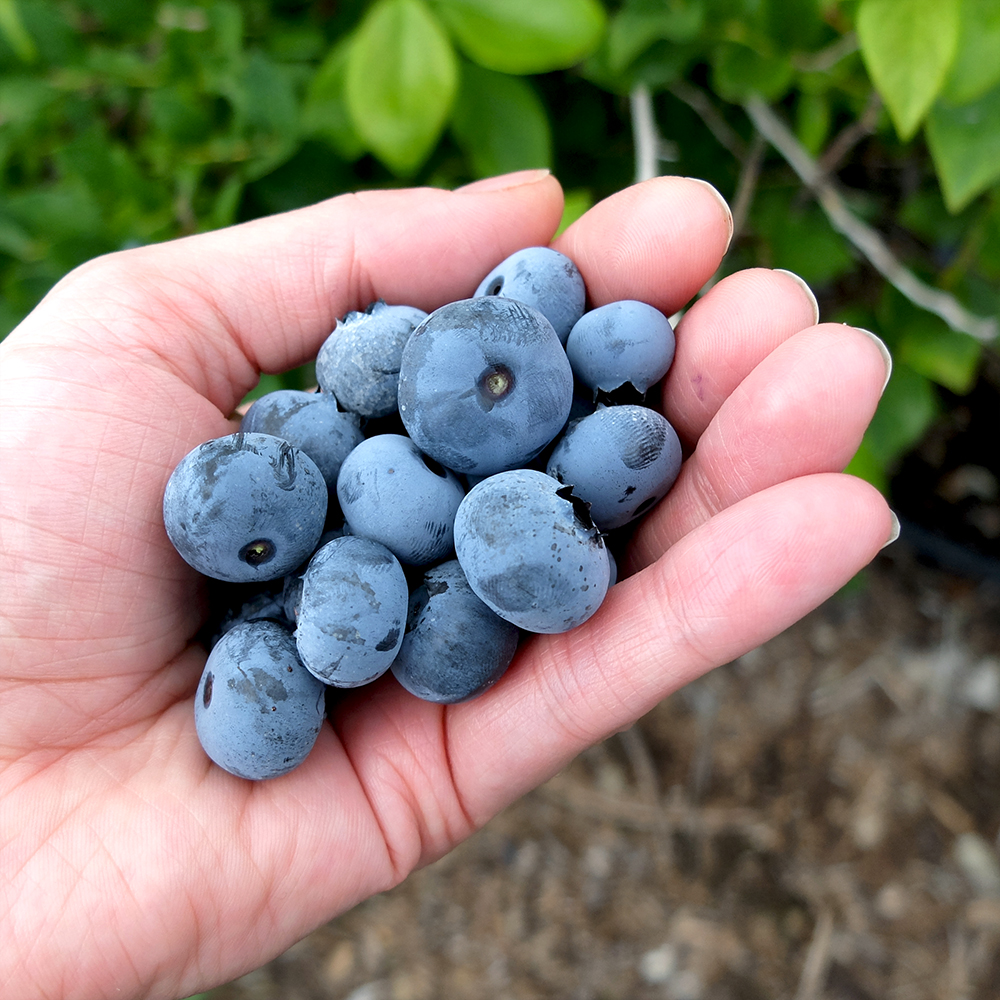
(131,865)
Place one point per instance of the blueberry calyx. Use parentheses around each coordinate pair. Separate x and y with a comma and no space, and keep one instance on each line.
(257,552)
(622,395)
(581,508)
(495,383)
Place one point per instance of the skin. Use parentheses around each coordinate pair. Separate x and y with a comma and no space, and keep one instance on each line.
(131,866)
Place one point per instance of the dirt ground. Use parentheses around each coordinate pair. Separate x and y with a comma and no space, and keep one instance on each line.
(818,820)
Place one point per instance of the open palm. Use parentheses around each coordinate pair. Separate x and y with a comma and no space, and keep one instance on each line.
(132,866)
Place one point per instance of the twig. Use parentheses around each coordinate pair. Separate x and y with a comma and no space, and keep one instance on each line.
(849,137)
(866,239)
(636,815)
(746,186)
(641,762)
(650,146)
(826,59)
(698,101)
(817,959)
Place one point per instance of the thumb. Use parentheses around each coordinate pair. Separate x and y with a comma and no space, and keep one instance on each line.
(263,295)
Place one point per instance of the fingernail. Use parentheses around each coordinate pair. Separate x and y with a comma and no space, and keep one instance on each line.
(894,532)
(722,201)
(886,356)
(504,181)
(805,287)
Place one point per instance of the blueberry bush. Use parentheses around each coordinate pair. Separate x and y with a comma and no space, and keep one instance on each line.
(857,140)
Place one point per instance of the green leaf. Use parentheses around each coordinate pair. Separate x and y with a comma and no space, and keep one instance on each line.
(930,347)
(868,466)
(812,120)
(324,112)
(739,71)
(965,145)
(12,28)
(525,36)
(576,203)
(269,103)
(641,22)
(400,82)
(977,63)
(800,239)
(500,123)
(908,47)
(907,408)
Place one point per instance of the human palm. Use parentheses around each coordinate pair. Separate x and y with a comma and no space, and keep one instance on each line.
(132,866)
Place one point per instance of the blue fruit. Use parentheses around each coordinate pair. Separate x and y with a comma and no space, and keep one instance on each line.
(530,551)
(395,495)
(620,459)
(352,612)
(258,711)
(544,279)
(312,422)
(245,508)
(484,385)
(359,361)
(455,647)
(621,343)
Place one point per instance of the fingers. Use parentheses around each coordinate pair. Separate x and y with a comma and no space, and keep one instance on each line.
(658,241)
(801,411)
(724,336)
(728,586)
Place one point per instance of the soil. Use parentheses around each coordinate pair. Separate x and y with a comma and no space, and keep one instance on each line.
(819,820)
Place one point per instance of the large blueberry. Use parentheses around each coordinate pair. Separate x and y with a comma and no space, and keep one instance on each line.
(455,647)
(359,361)
(620,459)
(530,551)
(352,611)
(245,508)
(621,343)
(258,711)
(312,422)
(544,279)
(392,493)
(484,385)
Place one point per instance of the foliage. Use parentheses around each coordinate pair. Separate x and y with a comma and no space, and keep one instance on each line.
(124,122)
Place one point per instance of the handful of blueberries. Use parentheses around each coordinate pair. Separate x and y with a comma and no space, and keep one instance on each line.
(399,518)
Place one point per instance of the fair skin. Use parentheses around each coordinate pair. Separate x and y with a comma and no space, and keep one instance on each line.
(131,865)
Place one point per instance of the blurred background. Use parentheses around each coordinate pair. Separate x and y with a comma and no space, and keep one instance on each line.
(819,819)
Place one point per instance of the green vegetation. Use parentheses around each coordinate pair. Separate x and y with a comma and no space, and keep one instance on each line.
(125,122)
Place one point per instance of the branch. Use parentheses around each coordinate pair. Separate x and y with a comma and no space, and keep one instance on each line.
(644,136)
(697,100)
(650,147)
(746,186)
(866,239)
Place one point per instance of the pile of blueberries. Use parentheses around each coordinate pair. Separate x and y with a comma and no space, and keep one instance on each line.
(450,486)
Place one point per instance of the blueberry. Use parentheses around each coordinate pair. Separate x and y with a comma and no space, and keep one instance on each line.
(393,494)
(530,551)
(484,385)
(359,361)
(312,422)
(544,279)
(620,459)
(352,612)
(258,711)
(455,647)
(621,343)
(245,508)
